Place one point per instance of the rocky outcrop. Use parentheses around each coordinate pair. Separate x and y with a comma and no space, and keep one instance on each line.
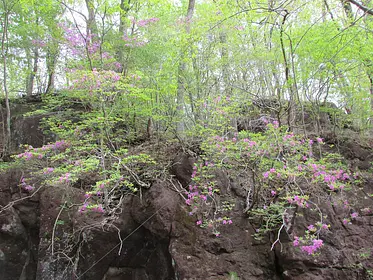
(43,236)
(155,238)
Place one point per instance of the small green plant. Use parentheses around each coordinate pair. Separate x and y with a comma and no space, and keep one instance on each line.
(233,276)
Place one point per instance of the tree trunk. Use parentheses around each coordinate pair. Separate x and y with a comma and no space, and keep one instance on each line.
(51,61)
(124,9)
(91,22)
(31,77)
(181,74)
(289,83)
(4,53)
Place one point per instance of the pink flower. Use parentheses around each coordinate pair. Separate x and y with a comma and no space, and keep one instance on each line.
(99,209)
(296,241)
(265,174)
(311,228)
(83,208)
(29,188)
(273,193)
(319,140)
(354,215)
(345,221)
(199,222)
(317,243)
(49,170)
(230,222)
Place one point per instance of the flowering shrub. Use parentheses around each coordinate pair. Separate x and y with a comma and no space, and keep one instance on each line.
(66,163)
(201,197)
(281,173)
(92,153)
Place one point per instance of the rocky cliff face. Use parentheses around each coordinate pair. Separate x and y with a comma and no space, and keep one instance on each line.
(152,237)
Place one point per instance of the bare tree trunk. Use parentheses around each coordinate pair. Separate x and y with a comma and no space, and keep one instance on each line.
(124,9)
(31,77)
(4,53)
(181,73)
(91,22)
(225,65)
(290,85)
(51,61)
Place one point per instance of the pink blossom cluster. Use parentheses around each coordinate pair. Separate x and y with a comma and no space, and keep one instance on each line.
(354,215)
(135,77)
(95,208)
(83,207)
(288,136)
(48,170)
(93,47)
(65,178)
(95,80)
(310,249)
(38,43)
(144,22)
(133,42)
(301,201)
(194,195)
(32,153)
(26,186)
(98,209)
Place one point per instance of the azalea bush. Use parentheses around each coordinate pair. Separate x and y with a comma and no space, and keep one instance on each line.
(281,174)
(90,122)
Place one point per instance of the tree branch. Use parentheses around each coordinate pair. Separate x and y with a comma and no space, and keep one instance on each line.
(362,7)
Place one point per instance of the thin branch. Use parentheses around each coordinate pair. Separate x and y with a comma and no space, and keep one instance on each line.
(55,225)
